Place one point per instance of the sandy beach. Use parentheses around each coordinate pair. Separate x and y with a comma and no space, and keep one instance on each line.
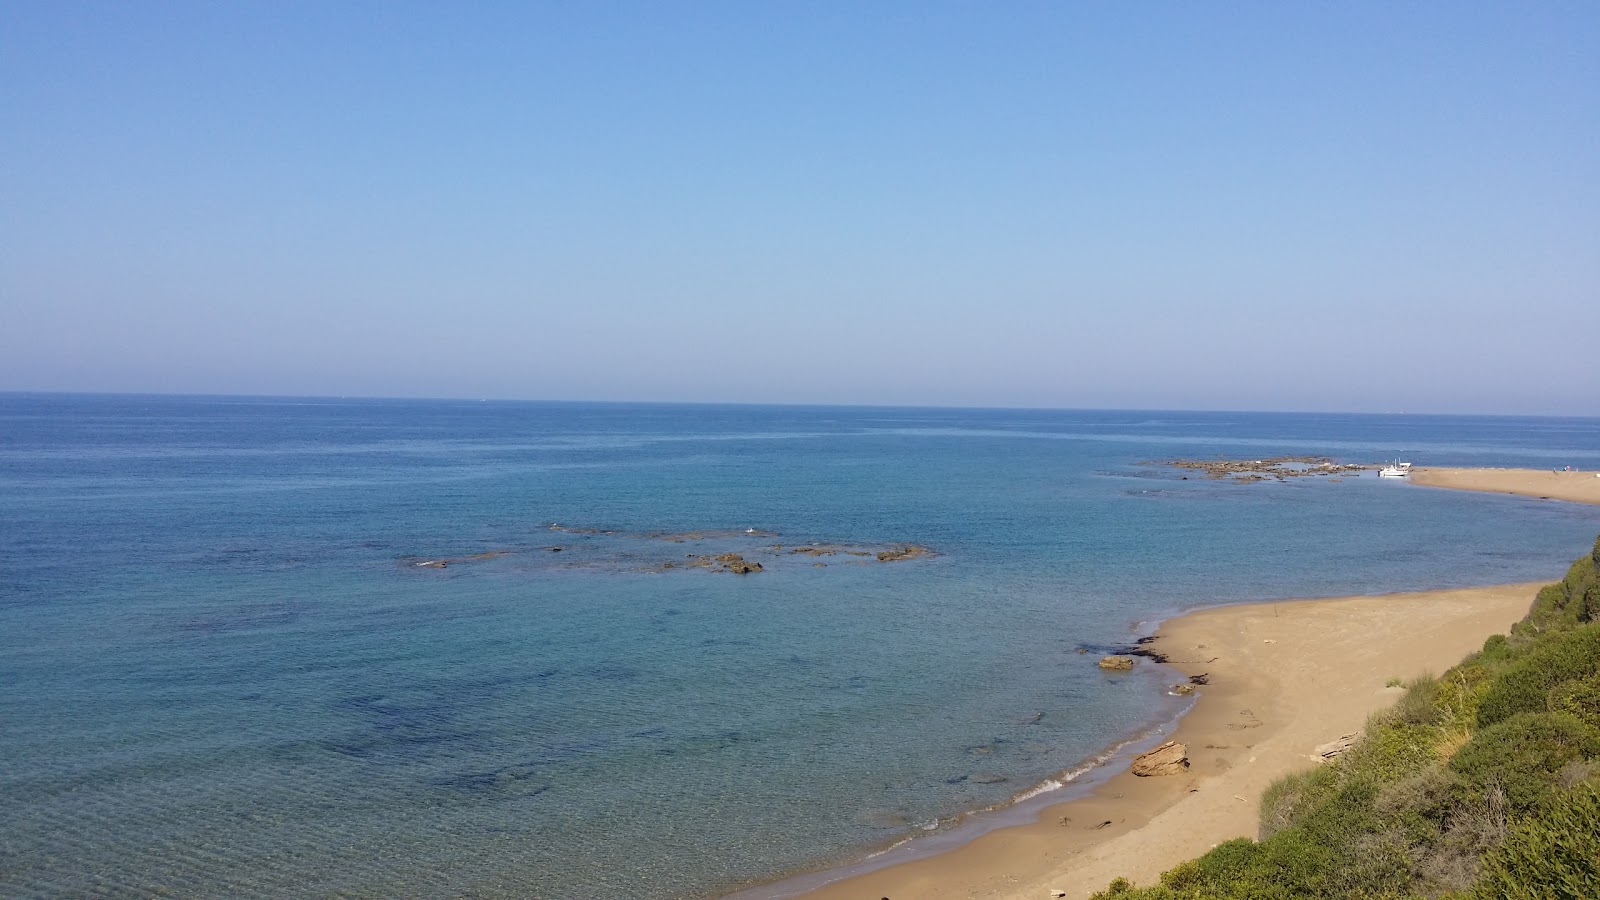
(1578,487)
(1283,678)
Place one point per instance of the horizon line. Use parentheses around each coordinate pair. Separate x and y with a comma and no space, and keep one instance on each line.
(782,404)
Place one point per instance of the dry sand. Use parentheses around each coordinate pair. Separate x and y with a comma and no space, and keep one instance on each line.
(1579,487)
(1284,678)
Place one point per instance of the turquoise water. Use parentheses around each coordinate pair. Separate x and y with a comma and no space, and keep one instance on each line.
(224,674)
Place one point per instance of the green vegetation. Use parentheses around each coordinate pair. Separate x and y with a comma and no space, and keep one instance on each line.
(1481,783)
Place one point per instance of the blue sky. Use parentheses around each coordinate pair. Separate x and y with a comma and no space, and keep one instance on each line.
(1384,207)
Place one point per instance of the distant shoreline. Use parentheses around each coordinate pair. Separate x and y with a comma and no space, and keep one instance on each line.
(1577,487)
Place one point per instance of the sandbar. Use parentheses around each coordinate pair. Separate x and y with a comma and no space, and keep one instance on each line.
(1578,487)
(1284,678)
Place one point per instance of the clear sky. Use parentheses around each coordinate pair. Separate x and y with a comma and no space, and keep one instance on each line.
(1354,206)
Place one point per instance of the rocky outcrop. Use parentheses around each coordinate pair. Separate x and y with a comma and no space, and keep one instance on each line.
(1334,748)
(1282,468)
(1116,663)
(909,551)
(738,565)
(1171,758)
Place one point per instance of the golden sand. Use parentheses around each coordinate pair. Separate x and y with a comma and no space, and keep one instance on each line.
(1579,487)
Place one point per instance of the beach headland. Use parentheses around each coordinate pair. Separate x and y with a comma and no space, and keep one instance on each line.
(1578,487)
(1282,679)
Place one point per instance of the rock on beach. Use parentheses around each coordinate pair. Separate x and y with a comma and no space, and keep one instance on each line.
(1171,758)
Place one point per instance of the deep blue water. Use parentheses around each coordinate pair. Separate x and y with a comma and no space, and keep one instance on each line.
(223,673)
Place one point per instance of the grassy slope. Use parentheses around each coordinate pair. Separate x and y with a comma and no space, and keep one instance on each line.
(1483,782)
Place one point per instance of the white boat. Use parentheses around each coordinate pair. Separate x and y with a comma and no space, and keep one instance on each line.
(1396,469)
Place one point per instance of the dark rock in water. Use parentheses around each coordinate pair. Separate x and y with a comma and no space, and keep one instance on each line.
(987,778)
(909,551)
(555,549)
(1116,663)
(733,562)
(1151,655)
(1171,758)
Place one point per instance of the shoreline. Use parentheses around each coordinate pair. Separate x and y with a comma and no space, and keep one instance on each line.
(1542,484)
(1285,677)
(1112,823)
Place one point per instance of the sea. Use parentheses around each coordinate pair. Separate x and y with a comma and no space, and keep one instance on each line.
(269,647)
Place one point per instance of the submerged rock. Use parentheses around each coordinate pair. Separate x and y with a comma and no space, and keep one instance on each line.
(1171,758)
(1116,663)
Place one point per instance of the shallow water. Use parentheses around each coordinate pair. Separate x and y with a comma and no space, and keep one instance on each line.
(225,673)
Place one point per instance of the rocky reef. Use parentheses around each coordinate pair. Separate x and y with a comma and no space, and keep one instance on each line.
(1281,468)
(744,551)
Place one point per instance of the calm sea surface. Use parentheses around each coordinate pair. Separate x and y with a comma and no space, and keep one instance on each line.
(224,673)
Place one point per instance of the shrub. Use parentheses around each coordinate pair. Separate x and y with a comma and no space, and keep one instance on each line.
(1285,798)
(1392,751)
(1461,690)
(1571,601)
(1419,705)
(1228,862)
(1524,755)
(1525,684)
(1553,855)
(1497,647)
(1579,697)
(1428,796)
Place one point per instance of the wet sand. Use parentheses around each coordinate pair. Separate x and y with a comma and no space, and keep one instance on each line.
(1284,678)
(1578,487)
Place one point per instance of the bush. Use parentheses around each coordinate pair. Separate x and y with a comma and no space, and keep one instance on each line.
(1496,648)
(1554,855)
(1579,698)
(1461,690)
(1391,752)
(1287,797)
(1526,683)
(1428,796)
(1572,601)
(1524,755)
(1419,705)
